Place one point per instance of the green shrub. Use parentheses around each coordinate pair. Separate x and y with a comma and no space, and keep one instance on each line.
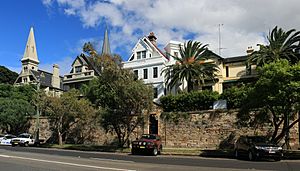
(193,101)
(236,95)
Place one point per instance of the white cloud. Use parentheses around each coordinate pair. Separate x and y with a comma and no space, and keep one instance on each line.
(244,21)
(47,2)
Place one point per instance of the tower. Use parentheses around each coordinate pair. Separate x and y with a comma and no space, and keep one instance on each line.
(106,46)
(30,58)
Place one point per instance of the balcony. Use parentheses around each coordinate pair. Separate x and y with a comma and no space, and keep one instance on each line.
(78,77)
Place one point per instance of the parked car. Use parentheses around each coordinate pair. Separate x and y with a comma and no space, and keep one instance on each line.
(24,139)
(150,143)
(6,139)
(256,147)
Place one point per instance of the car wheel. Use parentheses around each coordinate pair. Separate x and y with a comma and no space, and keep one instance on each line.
(26,144)
(13,145)
(236,154)
(155,152)
(160,150)
(133,151)
(251,156)
(277,158)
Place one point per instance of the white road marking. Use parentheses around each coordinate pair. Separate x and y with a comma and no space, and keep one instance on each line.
(65,163)
(101,159)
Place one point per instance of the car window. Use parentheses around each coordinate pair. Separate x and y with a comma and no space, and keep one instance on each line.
(258,139)
(24,136)
(147,136)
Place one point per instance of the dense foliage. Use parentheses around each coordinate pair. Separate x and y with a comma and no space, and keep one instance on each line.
(193,101)
(236,95)
(69,113)
(7,76)
(275,99)
(123,101)
(15,107)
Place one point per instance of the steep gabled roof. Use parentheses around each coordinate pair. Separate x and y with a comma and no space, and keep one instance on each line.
(45,78)
(86,61)
(148,45)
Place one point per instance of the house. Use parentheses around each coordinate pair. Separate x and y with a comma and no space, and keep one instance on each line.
(51,83)
(147,62)
(83,68)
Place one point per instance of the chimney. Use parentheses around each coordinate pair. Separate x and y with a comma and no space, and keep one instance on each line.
(250,50)
(55,77)
(152,38)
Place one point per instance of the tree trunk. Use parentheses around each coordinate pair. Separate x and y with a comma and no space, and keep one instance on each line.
(189,85)
(59,138)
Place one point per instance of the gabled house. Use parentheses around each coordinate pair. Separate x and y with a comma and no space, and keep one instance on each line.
(147,62)
(81,73)
(51,83)
(83,68)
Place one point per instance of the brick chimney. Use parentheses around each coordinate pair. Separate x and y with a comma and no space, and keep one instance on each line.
(152,38)
(250,50)
(55,76)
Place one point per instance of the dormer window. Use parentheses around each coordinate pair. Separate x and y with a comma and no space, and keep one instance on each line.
(78,69)
(141,54)
(138,55)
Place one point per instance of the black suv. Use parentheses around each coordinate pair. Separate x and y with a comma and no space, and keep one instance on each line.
(255,147)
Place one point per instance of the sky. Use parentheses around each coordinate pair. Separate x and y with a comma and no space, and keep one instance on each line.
(61,27)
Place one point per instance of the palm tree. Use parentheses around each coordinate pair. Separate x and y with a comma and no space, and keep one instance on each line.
(282,45)
(190,66)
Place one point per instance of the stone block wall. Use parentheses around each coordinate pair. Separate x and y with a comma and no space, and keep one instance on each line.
(205,130)
(212,130)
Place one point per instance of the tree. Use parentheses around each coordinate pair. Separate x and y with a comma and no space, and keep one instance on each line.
(123,101)
(282,45)
(15,108)
(101,60)
(274,99)
(68,112)
(236,95)
(7,76)
(190,67)
(14,115)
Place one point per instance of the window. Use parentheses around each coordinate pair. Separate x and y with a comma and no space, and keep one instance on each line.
(227,71)
(155,72)
(136,73)
(176,54)
(155,92)
(138,55)
(25,80)
(150,55)
(145,73)
(143,54)
(77,69)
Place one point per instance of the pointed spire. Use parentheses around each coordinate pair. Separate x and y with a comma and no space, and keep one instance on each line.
(30,49)
(106,46)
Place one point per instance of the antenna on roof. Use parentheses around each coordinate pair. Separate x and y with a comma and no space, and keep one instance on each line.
(220,47)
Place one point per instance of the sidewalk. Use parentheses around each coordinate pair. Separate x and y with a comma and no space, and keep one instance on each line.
(291,155)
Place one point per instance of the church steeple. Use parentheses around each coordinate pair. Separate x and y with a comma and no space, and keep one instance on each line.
(106,46)
(30,52)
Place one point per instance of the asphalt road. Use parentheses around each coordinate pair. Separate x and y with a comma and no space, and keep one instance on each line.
(42,159)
